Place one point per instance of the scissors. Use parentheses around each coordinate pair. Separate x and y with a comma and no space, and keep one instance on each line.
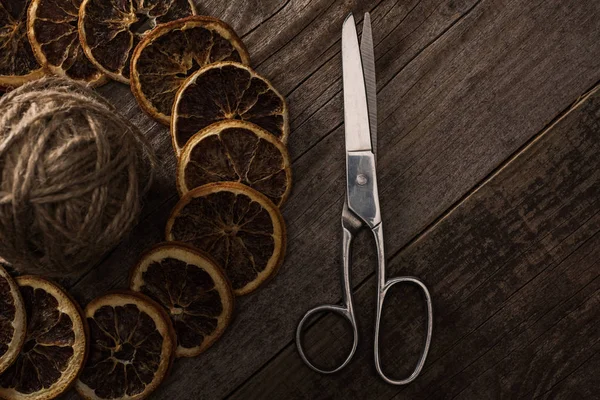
(361,206)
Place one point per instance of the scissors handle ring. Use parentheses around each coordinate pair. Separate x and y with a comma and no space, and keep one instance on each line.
(345,313)
(377,350)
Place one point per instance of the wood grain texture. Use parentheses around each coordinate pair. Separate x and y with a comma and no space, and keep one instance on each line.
(462,85)
(514,272)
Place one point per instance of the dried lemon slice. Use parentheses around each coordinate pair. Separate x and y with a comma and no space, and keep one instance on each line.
(193,289)
(238,226)
(12,320)
(55,347)
(227,90)
(109,30)
(132,347)
(238,151)
(173,51)
(52,32)
(17,62)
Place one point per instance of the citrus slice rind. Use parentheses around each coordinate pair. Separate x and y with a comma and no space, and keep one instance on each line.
(171,52)
(132,347)
(109,30)
(239,151)
(239,227)
(192,288)
(54,39)
(55,348)
(13,321)
(227,90)
(18,64)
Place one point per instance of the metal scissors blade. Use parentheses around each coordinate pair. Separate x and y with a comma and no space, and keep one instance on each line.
(368,62)
(356,113)
(361,176)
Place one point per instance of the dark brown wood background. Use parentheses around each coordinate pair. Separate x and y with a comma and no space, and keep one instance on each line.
(489,175)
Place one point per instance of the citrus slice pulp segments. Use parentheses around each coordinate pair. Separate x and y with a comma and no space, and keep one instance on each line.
(53,35)
(55,347)
(237,151)
(238,226)
(227,90)
(132,347)
(109,30)
(13,321)
(193,289)
(173,51)
(17,62)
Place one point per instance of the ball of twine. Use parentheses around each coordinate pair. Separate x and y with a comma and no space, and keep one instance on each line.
(72,173)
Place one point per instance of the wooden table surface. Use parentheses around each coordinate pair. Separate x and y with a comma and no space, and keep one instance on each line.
(489,175)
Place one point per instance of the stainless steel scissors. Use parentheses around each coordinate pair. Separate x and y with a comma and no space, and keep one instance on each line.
(361,207)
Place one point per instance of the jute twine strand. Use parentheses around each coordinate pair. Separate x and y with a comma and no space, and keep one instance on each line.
(72,171)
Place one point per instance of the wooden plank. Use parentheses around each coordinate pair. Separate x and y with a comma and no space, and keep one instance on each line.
(454,89)
(536,367)
(514,272)
(552,337)
(243,16)
(581,384)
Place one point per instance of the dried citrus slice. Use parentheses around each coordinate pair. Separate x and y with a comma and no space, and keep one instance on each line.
(12,320)
(173,51)
(132,347)
(193,289)
(55,345)
(240,227)
(227,90)
(238,151)
(17,62)
(52,32)
(109,30)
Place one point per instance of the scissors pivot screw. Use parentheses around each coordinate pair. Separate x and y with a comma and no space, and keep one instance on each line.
(361,179)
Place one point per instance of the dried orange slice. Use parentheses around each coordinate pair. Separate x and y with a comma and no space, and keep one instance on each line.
(132,347)
(12,320)
(173,51)
(52,32)
(238,226)
(55,346)
(109,30)
(17,62)
(238,151)
(227,90)
(193,289)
